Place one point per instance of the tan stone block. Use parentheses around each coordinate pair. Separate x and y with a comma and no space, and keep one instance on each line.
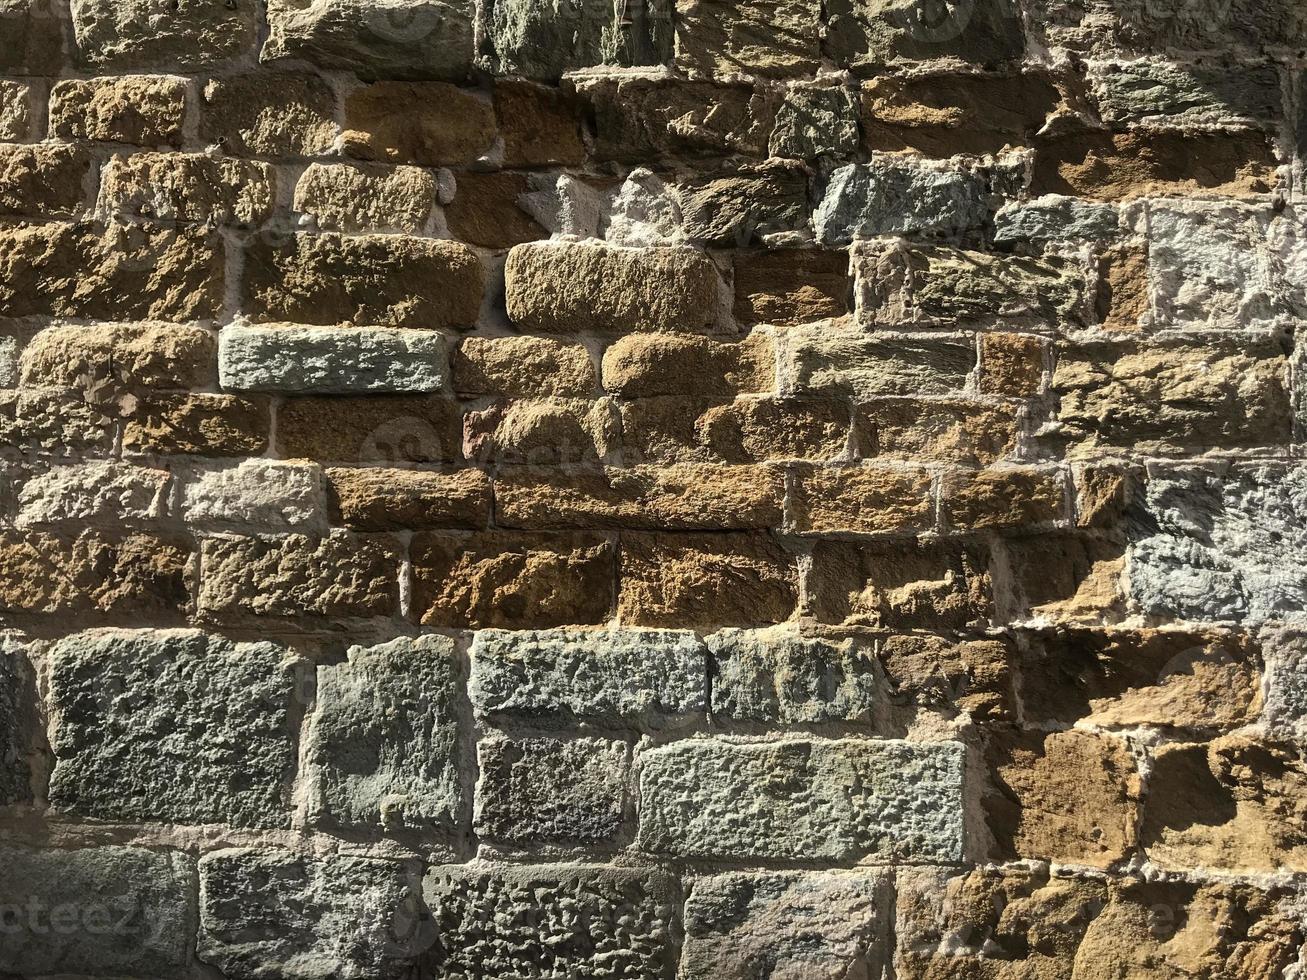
(105,359)
(964,433)
(791,286)
(524,366)
(370,429)
(1011,364)
(643,365)
(581,288)
(511,580)
(1235,804)
(1067,796)
(1124,301)
(369,280)
(352,198)
(431,124)
(861,500)
(703,581)
(381,499)
(540,124)
(113,575)
(541,431)
(44,180)
(689,496)
(1066,578)
(15,110)
(900,585)
(677,428)
(768,38)
(486,211)
(292,575)
(973,676)
(198,425)
(1002,498)
(266,113)
(145,110)
(54,419)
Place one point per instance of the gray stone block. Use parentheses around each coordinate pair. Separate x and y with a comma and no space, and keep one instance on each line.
(98,911)
(377,38)
(814,122)
(383,746)
(171,725)
(331,360)
(826,363)
(1053,219)
(775,676)
(1174,94)
(271,914)
(543,41)
(866,199)
(561,676)
(799,924)
(556,921)
(806,800)
(550,789)
(174,35)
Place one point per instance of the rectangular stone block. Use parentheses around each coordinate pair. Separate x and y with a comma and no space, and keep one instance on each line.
(144,110)
(573,288)
(98,911)
(556,920)
(965,433)
(32,38)
(682,429)
(689,496)
(900,585)
(15,108)
(253,494)
(1003,498)
(293,575)
(557,678)
(359,198)
(383,280)
(269,113)
(865,35)
(107,359)
(769,38)
(103,574)
(861,500)
(430,124)
(791,286)
(882,198)
(1160,91)
(198,425)
(44,180)
(541,431)
(862,367)
(543,43)
(1172,398)
(38,419)
(141,272)
(512,580)
(744,204)
(379,499)
(376,39)
(179,35)
(702,581)
(813,799)
(274,914)
(941,286)
(524,366)
(819,924)
(331,360)
(384,749)
(189,187)
(551,790)
(643,366)
(376,429)
(539,124)
(497,210)
(109,492)
(175,726)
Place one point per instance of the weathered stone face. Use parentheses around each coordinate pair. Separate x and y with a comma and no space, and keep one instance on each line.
(173,726)
(144,109)
(16,727)
(189,34)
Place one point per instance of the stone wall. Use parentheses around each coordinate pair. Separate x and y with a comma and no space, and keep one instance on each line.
(705,489)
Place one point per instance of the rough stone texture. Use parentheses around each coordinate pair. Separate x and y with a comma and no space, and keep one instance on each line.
(383,747)
(190,35)
(17,726)
(199,425)
(805,923)
(524,366)
(1002,498)
(352,198)
(428,124)
(536,790)
(276,114)
(272,914)
(47,180)
(254,493)
(541,431)
(818,363)
(106,359)
(896,198)
(1143,90)
(380,429)
(556,920)
(147,110)
(945,431)
(375,499)
(100,911)
(177,726)
(676,429)
(387,39)
(102,491)
(867,34)
(543,42)
(837,800)
(15,110)
(310,360)
(642,366)
(189,187)
(759,37)
(331,279)
(860,500)
(584,288)
(612,677)
(815,122)
(790,287)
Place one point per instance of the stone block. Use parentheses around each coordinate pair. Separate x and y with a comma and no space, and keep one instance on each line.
(359,198)
(861,500)
(144,110)
(255,493)
(769,38)
(15,110)
(815,122)
(198,425)
(18,725)
(100,491)
(866,35)
(429,124)
(890,198)
(380,499)
(791,286)
(543,43)
(384,748)
(541,431)
(190,187)
(524,366)
(274,114)
(819,362)
(174,726)
(44,180)
(188,35)
(812,799)
(918,430)
(371,429)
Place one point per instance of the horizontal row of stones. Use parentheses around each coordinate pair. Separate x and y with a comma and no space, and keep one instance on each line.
(275,914)
(184,727)
(453,38)
(1186,543)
